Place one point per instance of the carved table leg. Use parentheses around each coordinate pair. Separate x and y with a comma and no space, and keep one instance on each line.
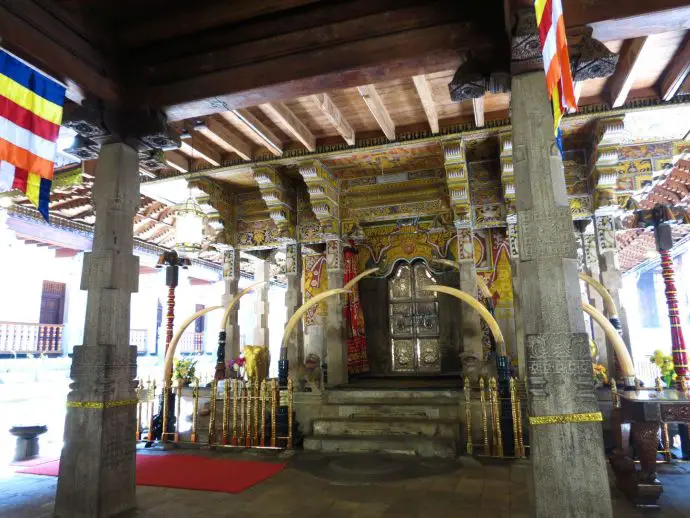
(648,488)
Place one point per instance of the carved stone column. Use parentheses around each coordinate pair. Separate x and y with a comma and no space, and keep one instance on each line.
(293,300)
(262,272)
(336,350)
(231,279)
(97,467)
(567,458)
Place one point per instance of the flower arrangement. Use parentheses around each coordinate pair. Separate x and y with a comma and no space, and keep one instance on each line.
(184,370)
(600,373)
(666,367)
(237,366)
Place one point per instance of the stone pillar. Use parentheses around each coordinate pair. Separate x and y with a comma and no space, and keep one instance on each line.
(471,323)
(97,467)
(336,350)
(262,272)
(513,243)
(293,300)
(568,459)
(231,279)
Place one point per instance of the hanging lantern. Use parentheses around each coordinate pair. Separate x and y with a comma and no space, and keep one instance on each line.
(189,228)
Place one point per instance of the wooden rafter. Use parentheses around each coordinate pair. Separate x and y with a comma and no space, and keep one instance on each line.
(225,139)
(378,110)
(195,148)
(280,113)
(424,91)
(332,113)
(626,70)
(255,128)
(478,107)
(176,161)
(676,71)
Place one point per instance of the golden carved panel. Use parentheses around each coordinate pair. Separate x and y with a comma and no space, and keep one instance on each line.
(403,355)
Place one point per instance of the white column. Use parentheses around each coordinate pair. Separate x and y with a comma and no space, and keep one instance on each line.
(336,350)
(262,272)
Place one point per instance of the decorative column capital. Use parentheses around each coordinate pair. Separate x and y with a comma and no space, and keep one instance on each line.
(279,199)
(525,48)
(324,196)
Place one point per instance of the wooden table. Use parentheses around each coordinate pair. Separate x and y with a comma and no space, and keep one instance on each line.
(639,417)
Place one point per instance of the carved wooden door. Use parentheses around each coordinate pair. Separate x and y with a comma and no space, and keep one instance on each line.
(413,321)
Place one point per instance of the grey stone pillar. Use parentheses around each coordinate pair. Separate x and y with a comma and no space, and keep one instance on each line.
(262,272)
(231,279)
(336,350)
(568,459)
(97,467)
(471,324)
(293,300)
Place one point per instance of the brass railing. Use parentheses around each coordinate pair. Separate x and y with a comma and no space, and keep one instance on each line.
(30,338)
(192,343)
(139,337)
(243,414)
(496,415)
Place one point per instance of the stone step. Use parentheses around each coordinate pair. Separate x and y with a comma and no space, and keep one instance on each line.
(449,410)
(392,396)
(364,427)
(405,445)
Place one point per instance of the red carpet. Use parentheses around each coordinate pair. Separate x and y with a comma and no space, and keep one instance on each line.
(188,472)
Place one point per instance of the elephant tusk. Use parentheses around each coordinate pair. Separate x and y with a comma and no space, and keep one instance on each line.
(605,295)
(619,347)
(361,276)
(226,315)
(481,284)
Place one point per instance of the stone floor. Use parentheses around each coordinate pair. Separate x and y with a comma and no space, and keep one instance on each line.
(314,486)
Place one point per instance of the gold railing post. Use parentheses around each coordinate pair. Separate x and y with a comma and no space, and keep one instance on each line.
(518,410)
(614,394)
(139,390)
(485,426)
(234,411)
(212,416)
(467,389)
(289,405)
(263,413)
(226,409)
(152,399)
(179,411)
(247,417)
(497,418)
(166,388)
(274,411)
(195,410)
(255,397)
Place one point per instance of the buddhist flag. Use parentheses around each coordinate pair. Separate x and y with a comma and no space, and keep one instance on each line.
(554,48)
(30,116)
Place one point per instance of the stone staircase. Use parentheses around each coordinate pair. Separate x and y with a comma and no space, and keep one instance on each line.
(412,422)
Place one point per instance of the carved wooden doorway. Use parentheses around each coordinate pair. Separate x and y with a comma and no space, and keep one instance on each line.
(413,321)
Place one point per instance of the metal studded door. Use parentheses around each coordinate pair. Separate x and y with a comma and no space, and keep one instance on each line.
(413,318)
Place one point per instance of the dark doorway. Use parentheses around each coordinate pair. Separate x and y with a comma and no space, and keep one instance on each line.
(52,303)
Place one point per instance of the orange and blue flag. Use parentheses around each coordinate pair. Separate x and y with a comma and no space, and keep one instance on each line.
(30,116)
(554,48)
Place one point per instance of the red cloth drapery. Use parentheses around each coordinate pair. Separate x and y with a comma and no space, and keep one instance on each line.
(357,362)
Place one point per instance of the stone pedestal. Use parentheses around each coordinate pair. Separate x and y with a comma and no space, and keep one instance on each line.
(97,467)
(27,441)
(231,279)
(262,272)
(293,300)
(568,459)
(336,349)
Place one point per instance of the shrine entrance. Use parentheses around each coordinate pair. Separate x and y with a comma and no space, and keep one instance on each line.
(413,317)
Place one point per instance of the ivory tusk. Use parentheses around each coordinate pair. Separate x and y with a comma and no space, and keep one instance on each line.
(226,314)
(610,305)
(361,276)
(170,354)
(303,309)
(481,284)
(619,347)
(479,308)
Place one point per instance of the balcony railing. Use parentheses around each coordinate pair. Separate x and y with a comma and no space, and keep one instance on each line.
(192,343)
(139,337)
(30,338)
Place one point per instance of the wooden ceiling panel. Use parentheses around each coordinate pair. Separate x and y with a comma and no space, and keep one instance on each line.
(402,102)
(656,56)
(312,117)
(354,110)
(446,108)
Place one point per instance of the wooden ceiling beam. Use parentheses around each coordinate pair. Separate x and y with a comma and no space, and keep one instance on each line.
(378,110)
(280,113)
(194,148)
(424,91)
(385,58)
(176,161)
(626,70)
(478,108)
(225,139)
(332,113)
(676,71)
(261,134)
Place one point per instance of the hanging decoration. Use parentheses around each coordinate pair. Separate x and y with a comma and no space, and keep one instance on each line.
(357,362)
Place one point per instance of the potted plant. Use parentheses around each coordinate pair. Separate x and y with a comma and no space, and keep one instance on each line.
(666,367)
(184,370)
(236,367)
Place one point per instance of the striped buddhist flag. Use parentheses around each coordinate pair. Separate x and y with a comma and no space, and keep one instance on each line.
(554,47)
(30,116)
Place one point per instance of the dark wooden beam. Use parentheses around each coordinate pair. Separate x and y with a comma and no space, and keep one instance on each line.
(384,58)
(676,71)
(53,43)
